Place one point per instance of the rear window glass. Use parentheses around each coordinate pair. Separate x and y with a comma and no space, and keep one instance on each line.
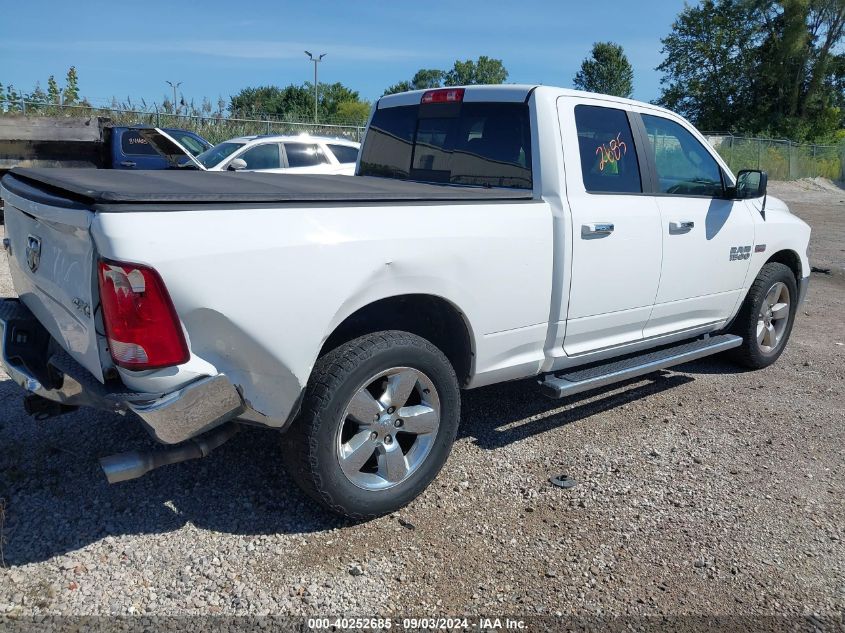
(304,155)
(134,145)
(344,153)
(608,155)
(482,144)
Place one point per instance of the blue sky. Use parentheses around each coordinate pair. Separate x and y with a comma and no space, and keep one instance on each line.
(215,48)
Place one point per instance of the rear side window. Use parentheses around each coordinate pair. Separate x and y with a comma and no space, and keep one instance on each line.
(133,144)
(304,155)
(684,166)
(608,156)
(264,156)
(344,153)
(482,144)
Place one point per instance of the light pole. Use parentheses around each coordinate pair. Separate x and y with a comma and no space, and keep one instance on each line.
(174,86)
(316,61)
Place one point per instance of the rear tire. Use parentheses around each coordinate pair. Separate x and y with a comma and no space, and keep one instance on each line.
(766,317)
(379,416)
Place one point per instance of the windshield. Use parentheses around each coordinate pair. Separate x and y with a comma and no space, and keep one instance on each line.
(481,144)
(193,144)
(212,157)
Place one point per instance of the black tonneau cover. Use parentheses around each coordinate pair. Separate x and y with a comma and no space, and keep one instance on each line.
(108,189)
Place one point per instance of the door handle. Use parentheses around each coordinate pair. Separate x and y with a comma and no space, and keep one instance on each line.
(127,163)
(681,226)
(599,228)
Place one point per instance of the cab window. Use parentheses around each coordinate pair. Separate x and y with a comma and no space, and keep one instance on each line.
(133,144)
(608,156)
(684,166)
(304,155)
(264,156)
(344,153)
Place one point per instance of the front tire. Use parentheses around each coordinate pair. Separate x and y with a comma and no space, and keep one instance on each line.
(379,416)
(766,317)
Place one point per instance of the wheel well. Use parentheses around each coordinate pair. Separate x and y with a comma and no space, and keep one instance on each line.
(432,318)
(790,259)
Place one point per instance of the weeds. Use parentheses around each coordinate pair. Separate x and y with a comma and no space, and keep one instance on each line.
(783,160)
(214,126)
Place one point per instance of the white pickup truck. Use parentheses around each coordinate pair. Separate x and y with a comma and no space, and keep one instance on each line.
(491,233)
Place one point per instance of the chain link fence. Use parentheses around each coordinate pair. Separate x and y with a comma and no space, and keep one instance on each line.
(782,159)
(215,127)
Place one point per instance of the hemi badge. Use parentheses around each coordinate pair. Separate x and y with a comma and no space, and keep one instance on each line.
(759,248)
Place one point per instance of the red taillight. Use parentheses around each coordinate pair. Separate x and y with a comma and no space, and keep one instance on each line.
(142,328)
(445,95)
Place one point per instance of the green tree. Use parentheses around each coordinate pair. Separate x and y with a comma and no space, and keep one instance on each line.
(423,79)
(607,70)
(353,112)
(709,62)
(426,78)
(53,93)
(71,91)
(330,96)
(37,98)
(13,99)
(464,73)
(293,102)
(798,65)
(402,86)
(483,71)
(757,66)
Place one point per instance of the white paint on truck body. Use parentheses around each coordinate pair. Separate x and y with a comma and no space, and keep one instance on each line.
(259,290)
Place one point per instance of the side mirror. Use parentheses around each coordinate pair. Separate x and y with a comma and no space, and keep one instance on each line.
(237,164)
(751,183)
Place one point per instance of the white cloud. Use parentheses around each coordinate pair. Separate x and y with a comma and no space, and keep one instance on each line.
(237,49)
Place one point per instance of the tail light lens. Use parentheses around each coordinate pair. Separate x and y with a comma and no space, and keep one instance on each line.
(444,95)
(142,328)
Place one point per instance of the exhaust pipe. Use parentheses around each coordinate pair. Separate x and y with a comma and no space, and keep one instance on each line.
(134,464)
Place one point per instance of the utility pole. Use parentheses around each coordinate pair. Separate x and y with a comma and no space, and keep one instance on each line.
(174,86)
(316,61)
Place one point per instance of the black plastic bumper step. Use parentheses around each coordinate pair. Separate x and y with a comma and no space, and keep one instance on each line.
(598,375)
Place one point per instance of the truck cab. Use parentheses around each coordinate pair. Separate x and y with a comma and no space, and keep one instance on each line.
(131,150)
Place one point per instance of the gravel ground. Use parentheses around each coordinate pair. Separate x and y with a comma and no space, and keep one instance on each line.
(705,490)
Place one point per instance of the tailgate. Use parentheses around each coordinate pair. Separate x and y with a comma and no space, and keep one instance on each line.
(51,259)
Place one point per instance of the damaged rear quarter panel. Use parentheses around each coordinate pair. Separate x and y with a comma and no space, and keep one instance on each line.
(259,290)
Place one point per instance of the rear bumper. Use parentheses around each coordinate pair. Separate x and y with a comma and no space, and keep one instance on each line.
(34,361)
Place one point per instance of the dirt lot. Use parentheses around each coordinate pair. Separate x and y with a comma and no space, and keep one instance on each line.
(705,490)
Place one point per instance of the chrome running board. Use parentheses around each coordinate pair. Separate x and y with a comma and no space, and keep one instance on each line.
(597,375)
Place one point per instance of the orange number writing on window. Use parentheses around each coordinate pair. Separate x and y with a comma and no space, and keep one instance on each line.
(613,152)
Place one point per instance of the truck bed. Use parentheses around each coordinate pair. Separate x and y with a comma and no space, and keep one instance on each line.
(114,191)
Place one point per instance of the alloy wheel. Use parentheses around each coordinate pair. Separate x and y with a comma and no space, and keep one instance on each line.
(773,318)
(388,428)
